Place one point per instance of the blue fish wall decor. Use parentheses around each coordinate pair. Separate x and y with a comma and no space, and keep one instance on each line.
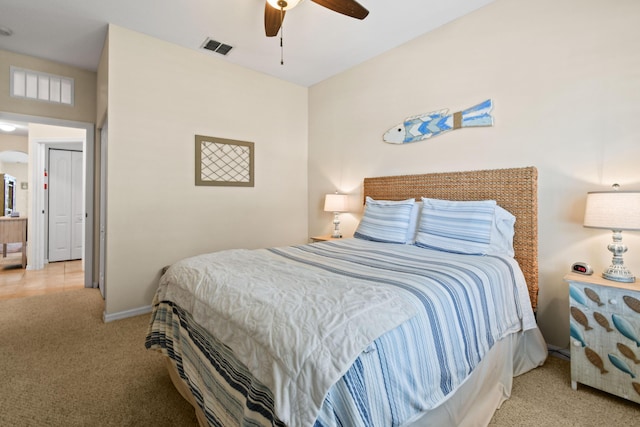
(417,128)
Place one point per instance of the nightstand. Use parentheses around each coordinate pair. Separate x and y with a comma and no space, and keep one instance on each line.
(325,238)
(605,335)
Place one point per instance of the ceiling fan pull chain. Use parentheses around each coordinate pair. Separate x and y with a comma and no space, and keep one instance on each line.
(281,34)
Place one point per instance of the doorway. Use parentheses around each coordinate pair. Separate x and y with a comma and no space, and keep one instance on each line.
(15,280)
(37,208)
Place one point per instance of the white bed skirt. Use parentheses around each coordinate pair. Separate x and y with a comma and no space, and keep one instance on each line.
(475,401)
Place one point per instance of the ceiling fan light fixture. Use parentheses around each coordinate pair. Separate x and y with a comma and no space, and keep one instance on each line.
(284,4)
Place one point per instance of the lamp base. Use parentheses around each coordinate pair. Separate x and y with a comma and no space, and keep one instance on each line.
(336,226)
(617,270)
(618,273)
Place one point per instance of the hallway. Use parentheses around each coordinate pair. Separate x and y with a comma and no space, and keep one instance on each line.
(16,282)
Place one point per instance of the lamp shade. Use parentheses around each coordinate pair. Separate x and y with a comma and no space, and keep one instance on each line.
(613,210)
(336,203)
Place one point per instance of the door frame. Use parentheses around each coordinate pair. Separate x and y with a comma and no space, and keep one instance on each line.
(35,247)
(102,231)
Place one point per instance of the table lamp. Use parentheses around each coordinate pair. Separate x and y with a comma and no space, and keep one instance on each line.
(336,203)
(615,211)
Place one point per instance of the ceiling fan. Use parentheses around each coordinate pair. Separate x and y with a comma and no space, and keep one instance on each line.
(275,10)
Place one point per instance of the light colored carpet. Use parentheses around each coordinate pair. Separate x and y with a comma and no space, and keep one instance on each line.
(543,397)
(60,365)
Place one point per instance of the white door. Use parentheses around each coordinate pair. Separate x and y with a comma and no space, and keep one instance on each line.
(66,218)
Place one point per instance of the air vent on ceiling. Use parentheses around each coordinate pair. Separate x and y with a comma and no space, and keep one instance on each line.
(216,46)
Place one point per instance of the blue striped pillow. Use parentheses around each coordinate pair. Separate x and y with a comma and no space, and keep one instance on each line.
(456,226)
(385,220)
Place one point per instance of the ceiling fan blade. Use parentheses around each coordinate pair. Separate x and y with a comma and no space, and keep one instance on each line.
(272,19)
(346,7)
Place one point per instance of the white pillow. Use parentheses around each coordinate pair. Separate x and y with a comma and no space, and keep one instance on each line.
(385,220)
(413,223)
(467,227)
(502,233)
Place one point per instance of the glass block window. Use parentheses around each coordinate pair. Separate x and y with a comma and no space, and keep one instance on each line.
(41,86)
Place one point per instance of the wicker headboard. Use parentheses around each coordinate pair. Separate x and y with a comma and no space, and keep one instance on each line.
(516,190)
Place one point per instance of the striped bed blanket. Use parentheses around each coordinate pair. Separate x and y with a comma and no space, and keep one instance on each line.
(349,332)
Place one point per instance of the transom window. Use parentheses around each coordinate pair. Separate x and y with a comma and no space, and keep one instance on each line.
(41,86)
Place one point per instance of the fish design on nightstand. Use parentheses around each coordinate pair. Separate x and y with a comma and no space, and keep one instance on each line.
(604,324)
(620,364)
(602,321)
(627,352)
(633,303)
(577,295)
(580,317)
(625,328)
(595,360)
(577,333)
(593,296)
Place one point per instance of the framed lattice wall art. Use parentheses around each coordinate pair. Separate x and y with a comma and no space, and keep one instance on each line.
(223,162)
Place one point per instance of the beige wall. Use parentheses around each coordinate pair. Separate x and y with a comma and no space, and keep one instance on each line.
(54,133)
(10,142)
(84,108)
(564,80)
(159,97)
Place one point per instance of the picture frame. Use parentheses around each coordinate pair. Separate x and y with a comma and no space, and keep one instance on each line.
(223,162)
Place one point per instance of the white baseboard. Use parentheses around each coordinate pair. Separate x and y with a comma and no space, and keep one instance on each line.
(126,314)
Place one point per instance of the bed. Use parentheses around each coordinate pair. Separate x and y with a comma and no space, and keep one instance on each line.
(393,327)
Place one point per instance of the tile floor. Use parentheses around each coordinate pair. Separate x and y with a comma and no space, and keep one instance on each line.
(16,282)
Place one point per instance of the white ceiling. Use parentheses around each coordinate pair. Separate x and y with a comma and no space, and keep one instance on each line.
(318,43)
